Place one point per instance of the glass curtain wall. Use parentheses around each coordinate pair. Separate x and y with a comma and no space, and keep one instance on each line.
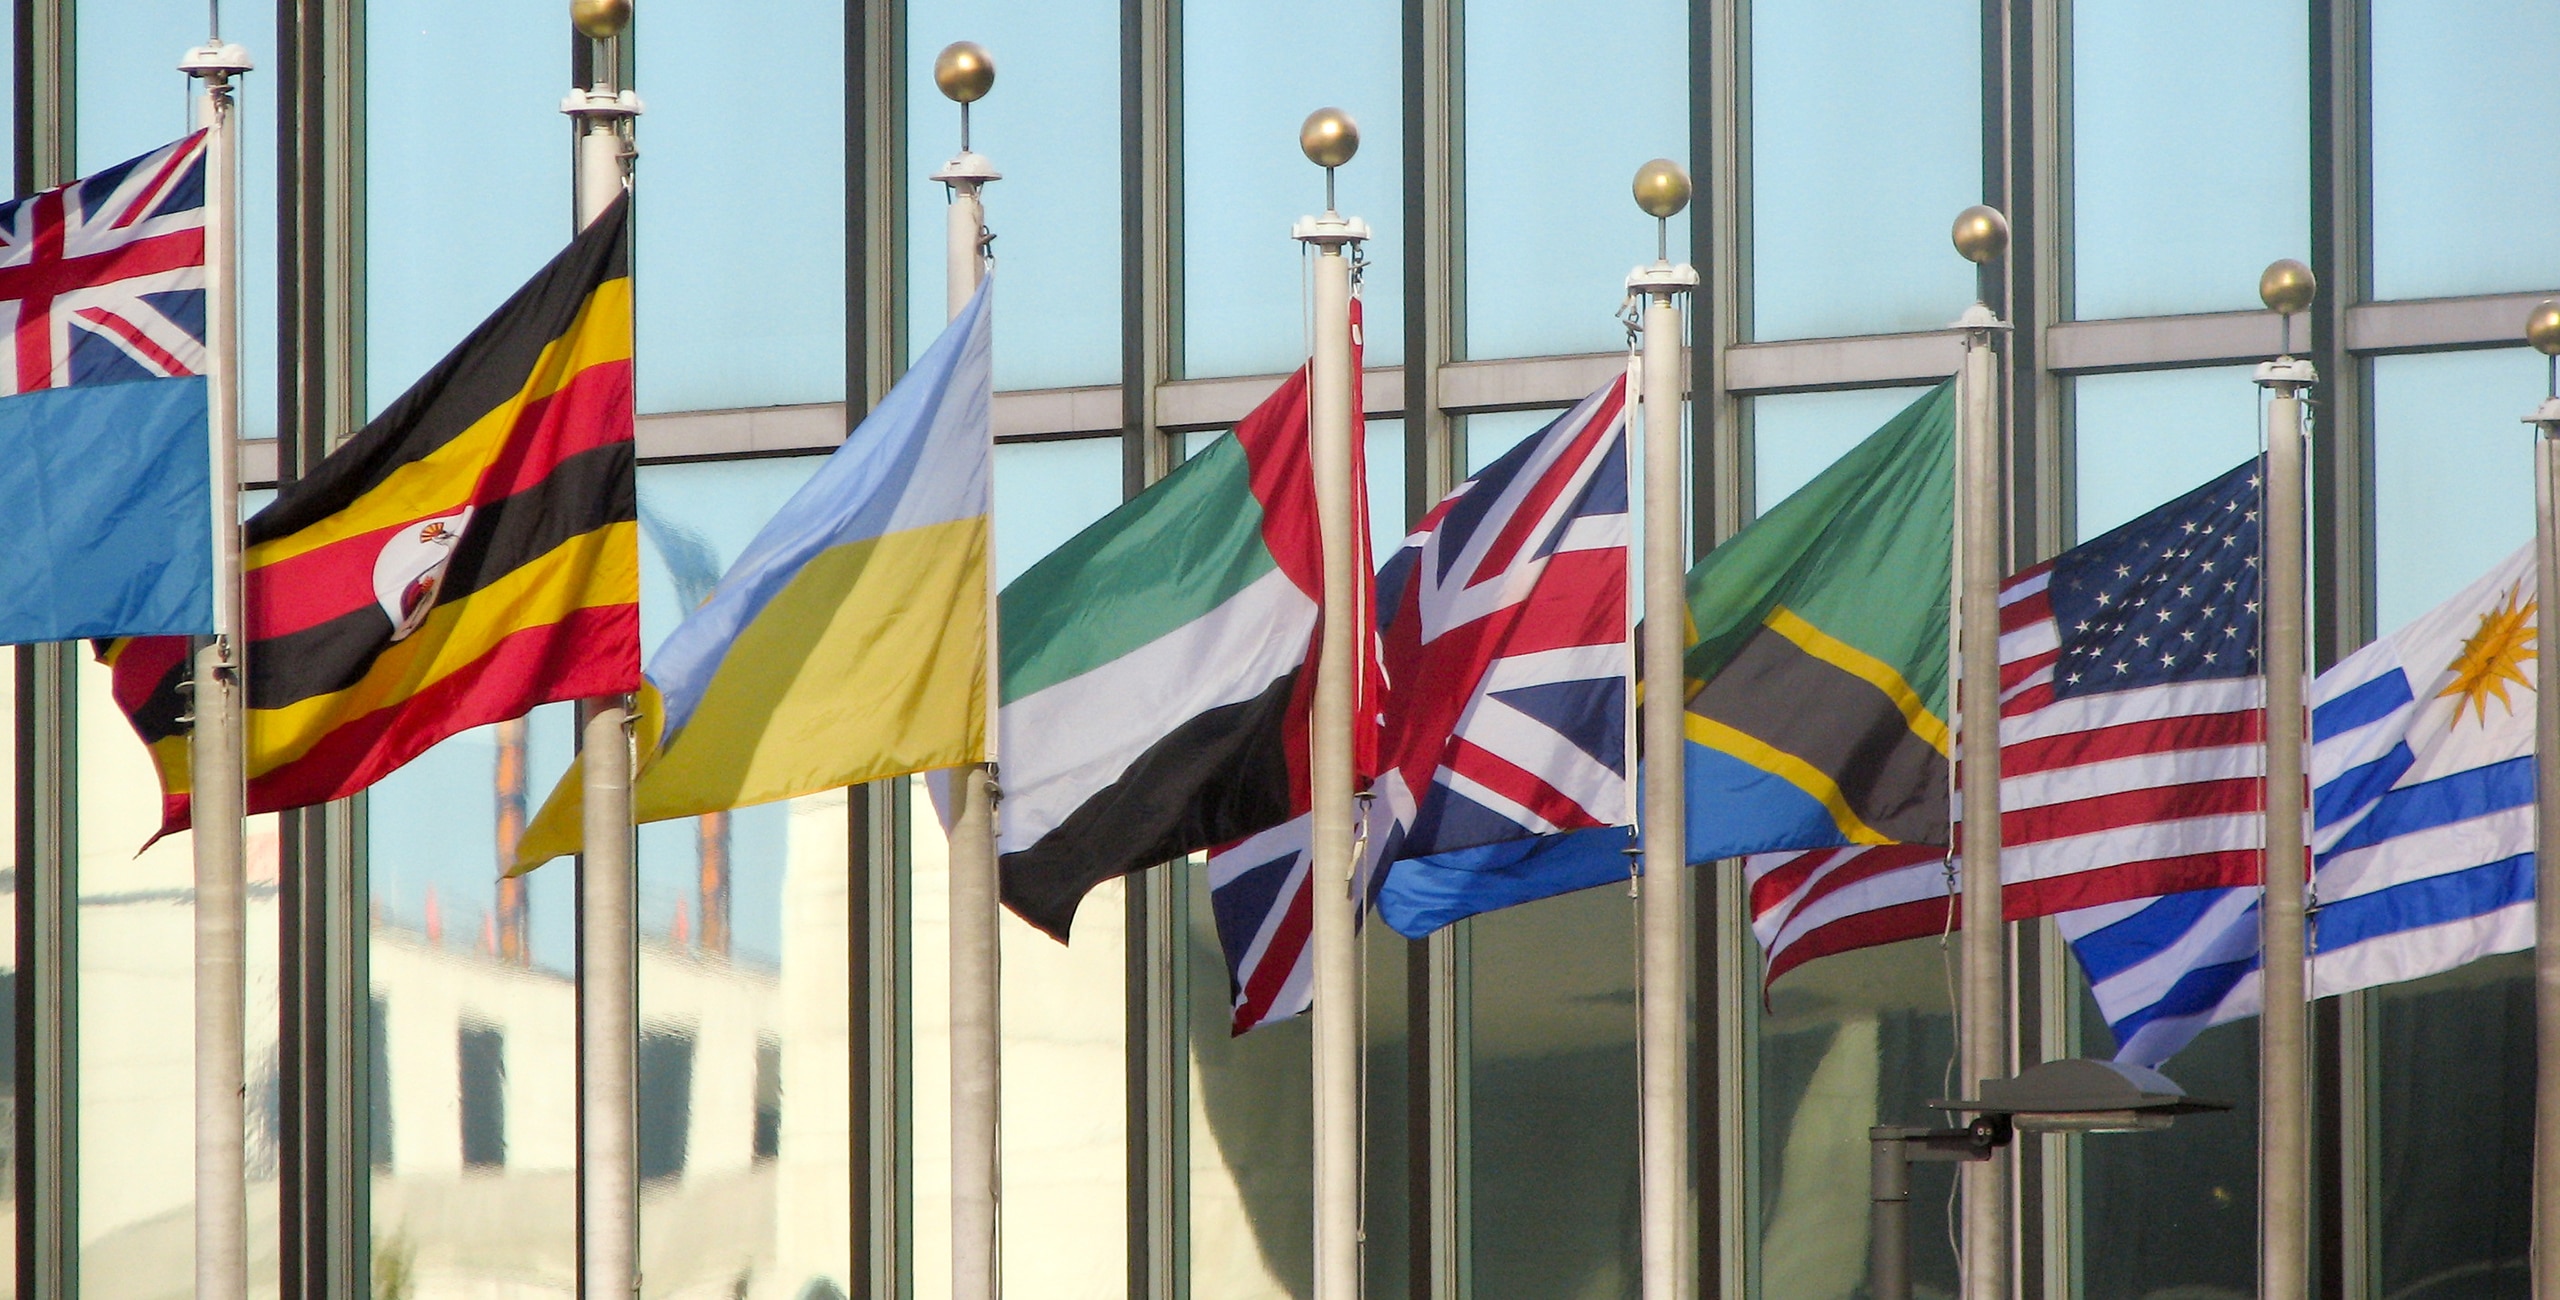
(2457,169)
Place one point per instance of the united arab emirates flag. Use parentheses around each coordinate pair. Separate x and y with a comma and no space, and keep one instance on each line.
(1818,705)
(1156,671)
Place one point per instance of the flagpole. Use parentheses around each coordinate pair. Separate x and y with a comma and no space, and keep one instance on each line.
(965,73)
(1662,190)
(2542,330)
(1329,138)
(215,745)
(2284,1054)
(608,887)
(1981,235)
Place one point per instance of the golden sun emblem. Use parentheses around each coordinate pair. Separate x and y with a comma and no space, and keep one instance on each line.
(2493,657)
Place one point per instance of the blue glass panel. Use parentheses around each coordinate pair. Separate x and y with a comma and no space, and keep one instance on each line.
(2146,438)
(132,99)
(2192,165)
(1798,435)
(1252,74)
(1866,140)
(742,243)
(467,195)
(1559,116)
(1052,126)
(1046,492)
(2466,168)
(2453,472)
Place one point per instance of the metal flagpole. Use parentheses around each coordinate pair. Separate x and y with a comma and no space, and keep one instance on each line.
(965,73)
(214,746)
(2542,330)
(608,903)
(1329,139)
(2284,1052)
(1981,235)
(1662,190)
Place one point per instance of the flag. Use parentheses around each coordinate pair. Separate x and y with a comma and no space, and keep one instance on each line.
(468,555)
(1821,655)
(849,641)
(1506,646)
(2130,724)
(103,434)
(1159,668)
(2422,771)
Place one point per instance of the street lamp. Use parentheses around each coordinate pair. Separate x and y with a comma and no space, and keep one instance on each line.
(2077,1096)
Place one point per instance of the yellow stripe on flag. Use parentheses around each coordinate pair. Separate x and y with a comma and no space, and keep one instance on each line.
(1865,667)
(1786,767)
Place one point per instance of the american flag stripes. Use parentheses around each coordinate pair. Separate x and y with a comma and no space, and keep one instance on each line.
(2129,724)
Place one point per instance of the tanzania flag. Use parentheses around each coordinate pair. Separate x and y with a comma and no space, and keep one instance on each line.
(1819,673)
(470,554)
(1158,670)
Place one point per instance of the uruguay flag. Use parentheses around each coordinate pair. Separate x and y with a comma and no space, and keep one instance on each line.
(2423,812)
(103,433)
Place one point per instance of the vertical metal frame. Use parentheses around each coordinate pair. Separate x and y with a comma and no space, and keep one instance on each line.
(47,787)
(880,1032)
(1157,936)
(324,1001)
(1439,969)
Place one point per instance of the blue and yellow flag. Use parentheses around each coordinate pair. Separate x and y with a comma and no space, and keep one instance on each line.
(849,642)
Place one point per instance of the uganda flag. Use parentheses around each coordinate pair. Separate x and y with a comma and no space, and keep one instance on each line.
(470,554)
(1818,676)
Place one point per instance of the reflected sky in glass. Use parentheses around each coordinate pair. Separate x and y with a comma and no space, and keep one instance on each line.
(432,842)
(467,194)
(1052,126)
(2466,155)
(1046,492)
(2452,473)
(1558,117)
(2193,162)
(1795,436)
(1252,73)
(1866,140)
(132,99)
(2146,438)
(741,243)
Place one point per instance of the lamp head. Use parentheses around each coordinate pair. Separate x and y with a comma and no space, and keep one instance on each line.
(964,71)
(600,20)
(1329,138)
(2287,287)
(1662,189)
(1981,233)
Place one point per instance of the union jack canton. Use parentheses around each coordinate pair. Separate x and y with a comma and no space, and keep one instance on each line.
(102,280)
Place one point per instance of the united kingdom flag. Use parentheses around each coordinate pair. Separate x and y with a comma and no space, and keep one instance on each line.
(1506,646)
(102,280)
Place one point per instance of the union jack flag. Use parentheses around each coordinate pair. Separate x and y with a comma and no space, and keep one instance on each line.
(1505,638)
(102,280)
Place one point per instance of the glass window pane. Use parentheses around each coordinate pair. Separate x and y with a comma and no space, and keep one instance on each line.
(743,244)
(2192,157)
(1866,140)
(1554,1130)
(2453,472)
(2461,164)
(1052,127)
(1559,116)
(466,195)
(1046,492)
(1797,436)
(2175,1213)
(133,99)
(2453,1095)
(1254,73)
(2146,438)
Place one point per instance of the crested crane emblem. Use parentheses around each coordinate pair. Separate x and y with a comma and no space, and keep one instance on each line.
(409,571)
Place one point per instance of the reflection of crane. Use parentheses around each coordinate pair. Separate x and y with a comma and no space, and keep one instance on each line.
(512,910)
(696,568)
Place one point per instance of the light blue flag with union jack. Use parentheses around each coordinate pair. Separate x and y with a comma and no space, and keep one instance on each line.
(104,455)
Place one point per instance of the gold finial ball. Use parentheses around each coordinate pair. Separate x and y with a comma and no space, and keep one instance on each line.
(600,20)
(965,72)
(2286,287)
(1662,188)
(1329,137)
(2542,328)
(1981,233)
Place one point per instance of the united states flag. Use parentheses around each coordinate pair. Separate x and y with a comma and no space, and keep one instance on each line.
(1504,630)
(102,280)
(2130,726)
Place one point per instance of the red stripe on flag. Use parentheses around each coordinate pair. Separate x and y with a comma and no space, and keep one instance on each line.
(1279,958)
(2129,808)
(2131,739)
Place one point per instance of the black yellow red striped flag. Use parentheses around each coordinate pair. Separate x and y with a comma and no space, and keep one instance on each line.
(470,554)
